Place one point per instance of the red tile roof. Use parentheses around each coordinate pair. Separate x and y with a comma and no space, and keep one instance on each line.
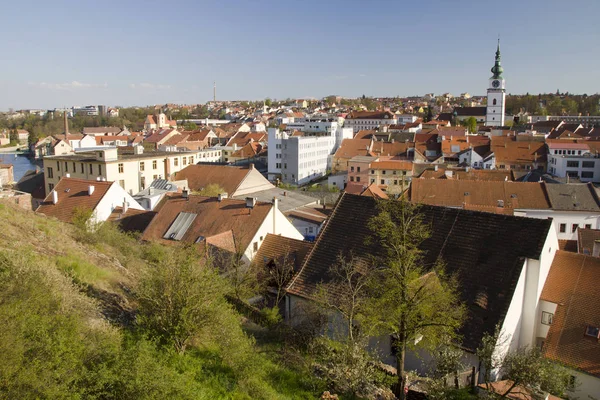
(200,176)
(73,195)
(574,285)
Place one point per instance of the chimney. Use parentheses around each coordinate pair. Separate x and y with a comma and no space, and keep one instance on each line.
(514,200)
(54,197)
(250,202)
(448,173)
(275,208)
(125,205)
(67,175)
(467,196)
(251,166)
(185,194)
(596,249)
(435,168)
(66,120)
(91,190)
(222,196)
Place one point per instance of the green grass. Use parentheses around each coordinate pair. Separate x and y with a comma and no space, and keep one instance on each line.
(82,271)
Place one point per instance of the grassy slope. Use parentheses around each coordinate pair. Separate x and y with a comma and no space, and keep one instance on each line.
(93,281)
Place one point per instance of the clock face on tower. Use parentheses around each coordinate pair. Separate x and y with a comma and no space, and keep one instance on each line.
(496,83)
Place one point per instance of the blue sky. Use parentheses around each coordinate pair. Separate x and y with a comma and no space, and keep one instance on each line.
(148,52)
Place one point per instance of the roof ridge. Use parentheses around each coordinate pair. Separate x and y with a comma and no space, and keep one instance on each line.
(317,242)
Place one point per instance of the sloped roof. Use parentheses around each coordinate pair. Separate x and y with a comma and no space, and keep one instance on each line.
(307,214)
(374,191)
(586,239)
(32,182)
(73,195)
(370,115)
(574,284)
(101,130)
(353,147)
(471,111)
(276,248)
(213,218)
(131,221)
(484,251)
(199,176)
(472,174)
(573,197)
(454,193)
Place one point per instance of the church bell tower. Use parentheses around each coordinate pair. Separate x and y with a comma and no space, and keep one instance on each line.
(496,94)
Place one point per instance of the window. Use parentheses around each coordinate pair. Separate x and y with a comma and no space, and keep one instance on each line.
(372,171)
(351,179)
(66,167)
(91,169)
(592,331)
(588,226)
(383,172)
(99,169)
(572,174)
(82,168)
(395,181)
(574,228)
(122,183)
(143,183)
(50,173)
(358,179)
(587,174)
(142,166)
(192,159)
(120,166)
(563,228)
(494,102)
(383,182)
(255,246)
(183,161)
(50,187)
(176,162)
(154,164)
(357,169)
(58,166)
(372,180)
(74,169)
(572,164)
(547,318)
(351,169)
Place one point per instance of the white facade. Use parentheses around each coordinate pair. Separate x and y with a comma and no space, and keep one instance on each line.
(275,223)
(565,222)
(114,197)
(496,103)
(573,160)
(300,159)
(361,124)
(134,172)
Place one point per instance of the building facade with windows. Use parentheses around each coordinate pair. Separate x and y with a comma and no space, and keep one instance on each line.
(133,170)
(369,120)
(574,160)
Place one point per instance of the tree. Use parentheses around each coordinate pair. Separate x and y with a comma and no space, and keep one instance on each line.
(428,115)
(268,102)
(190,126)
(524,368)
(346,359)
(416,303)
(180,296)
(14,136)
(280,272)
(471,124)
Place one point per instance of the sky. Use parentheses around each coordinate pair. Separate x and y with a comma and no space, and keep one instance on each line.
(130,52)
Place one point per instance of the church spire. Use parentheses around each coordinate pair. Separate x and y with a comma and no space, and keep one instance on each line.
(497,69)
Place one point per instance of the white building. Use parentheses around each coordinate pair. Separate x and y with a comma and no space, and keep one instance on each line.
(101,198)
(369,120)
(574,160)
(299,158)
(134,171)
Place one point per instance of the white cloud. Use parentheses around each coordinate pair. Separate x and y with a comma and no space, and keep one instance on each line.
(146,85)
(74,85)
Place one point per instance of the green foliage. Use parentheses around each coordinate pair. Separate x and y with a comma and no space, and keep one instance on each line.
(190,126)
(81,270)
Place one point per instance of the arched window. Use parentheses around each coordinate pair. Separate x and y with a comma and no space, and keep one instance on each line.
(494,102)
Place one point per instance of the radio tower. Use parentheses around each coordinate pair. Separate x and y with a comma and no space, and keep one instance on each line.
(215,91)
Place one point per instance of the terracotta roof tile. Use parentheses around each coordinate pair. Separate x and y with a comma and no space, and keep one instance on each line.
(199,176)
(275,248)
(72,195)
(574,285)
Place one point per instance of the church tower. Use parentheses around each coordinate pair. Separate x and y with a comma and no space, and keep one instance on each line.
(496,95)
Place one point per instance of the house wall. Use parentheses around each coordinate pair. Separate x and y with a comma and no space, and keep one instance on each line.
(542,329)
(569,218)
(587,387)
(309,230)
(114,197)
(338,181)
(253,182)
(132,176)
(276,223)
(557,166)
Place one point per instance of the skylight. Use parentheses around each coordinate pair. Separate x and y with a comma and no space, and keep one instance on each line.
(180,226)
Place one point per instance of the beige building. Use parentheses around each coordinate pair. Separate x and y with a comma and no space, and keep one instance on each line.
(133,170)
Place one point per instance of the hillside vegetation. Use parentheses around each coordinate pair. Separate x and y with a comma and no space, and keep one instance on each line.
(81,320)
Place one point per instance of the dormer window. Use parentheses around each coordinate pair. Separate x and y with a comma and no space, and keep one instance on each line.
(592,331)
(547,318)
